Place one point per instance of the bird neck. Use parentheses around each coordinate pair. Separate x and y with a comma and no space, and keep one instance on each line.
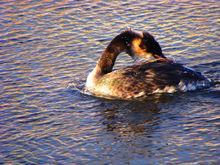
(107,60)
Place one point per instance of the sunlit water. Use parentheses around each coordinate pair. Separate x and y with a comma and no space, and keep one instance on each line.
(45,46)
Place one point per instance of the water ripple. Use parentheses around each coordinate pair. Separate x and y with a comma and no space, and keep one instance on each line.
(48,48)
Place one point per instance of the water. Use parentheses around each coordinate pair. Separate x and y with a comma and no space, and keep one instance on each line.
(47,46)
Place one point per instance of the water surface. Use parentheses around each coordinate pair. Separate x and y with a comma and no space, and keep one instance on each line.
(47,46)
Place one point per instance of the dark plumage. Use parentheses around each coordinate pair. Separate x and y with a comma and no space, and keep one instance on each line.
(159,76)
(152,77)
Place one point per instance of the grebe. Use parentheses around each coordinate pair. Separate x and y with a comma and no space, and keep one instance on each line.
(159,76)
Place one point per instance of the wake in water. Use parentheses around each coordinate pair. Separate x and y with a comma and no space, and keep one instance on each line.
(78,87)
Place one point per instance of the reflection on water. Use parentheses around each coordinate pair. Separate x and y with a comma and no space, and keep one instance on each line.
(47,46)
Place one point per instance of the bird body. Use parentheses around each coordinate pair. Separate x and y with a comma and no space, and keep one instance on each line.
(141,80)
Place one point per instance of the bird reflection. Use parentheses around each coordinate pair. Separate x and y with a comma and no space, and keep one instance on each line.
(133,118)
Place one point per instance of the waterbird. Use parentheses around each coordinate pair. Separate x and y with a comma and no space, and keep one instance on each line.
(161,75)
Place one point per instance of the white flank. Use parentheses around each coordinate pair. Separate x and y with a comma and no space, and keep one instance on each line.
(92,86)
(90,81)
(185,86)
(139,94)
(191,86)
(167,89)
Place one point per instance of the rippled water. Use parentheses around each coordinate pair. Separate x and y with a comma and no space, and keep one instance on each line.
(47,45)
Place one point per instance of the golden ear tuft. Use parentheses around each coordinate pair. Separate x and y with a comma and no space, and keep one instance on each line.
(136,46)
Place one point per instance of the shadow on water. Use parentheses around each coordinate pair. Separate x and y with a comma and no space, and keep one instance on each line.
(127,118)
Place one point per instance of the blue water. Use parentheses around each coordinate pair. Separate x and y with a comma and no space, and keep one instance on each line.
(47,47)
